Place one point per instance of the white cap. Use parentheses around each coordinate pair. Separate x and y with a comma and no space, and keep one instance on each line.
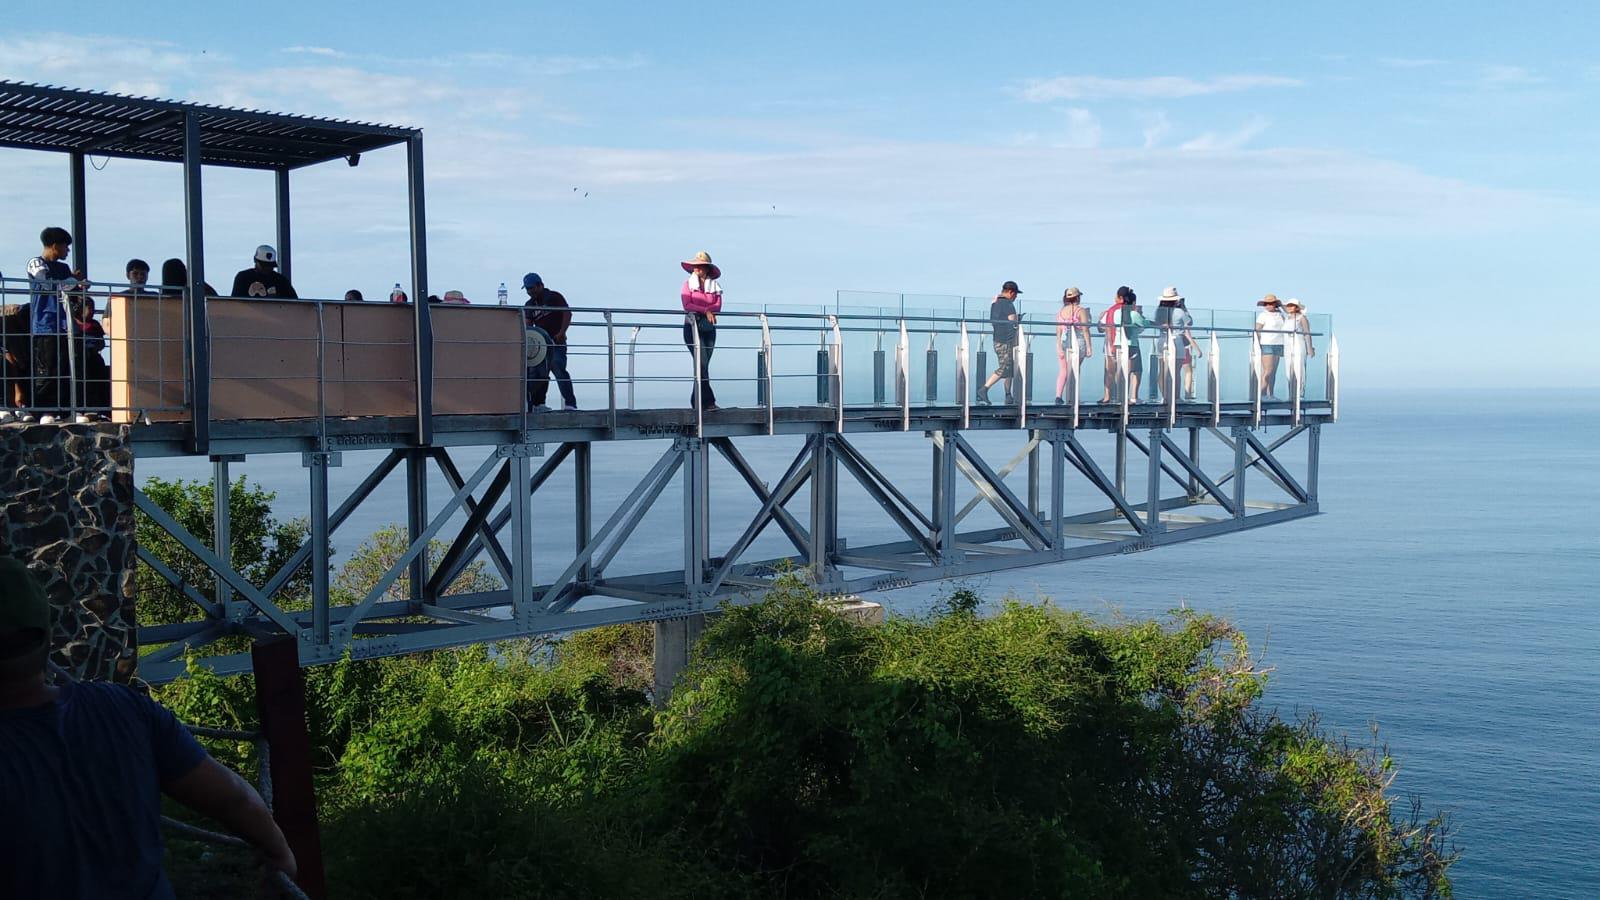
(266,254)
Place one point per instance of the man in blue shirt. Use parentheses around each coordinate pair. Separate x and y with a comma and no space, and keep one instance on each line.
(48,276)
(82,770)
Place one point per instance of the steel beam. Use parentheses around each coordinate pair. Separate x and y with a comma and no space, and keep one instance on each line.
(416,523)
(791,527)
(452,476)
(80,213)
(423,328)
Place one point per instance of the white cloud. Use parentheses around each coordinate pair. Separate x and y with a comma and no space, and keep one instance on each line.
(1503,76)
(1232,140)
(1156,127)
(1165,87)
(317,51)
(1083,130)
(1401,62)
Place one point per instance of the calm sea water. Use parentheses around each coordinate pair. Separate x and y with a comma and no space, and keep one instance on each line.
(1446,595)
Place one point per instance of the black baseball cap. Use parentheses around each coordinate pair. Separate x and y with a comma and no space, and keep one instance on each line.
(1010,286)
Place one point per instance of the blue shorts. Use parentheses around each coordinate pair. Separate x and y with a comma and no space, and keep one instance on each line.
(1271,349)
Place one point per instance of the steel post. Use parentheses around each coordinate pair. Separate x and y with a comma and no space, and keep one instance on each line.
(285,248)
(199,344)
(1153,503)
(694,487)
(824,509)
(583,497)
(1122,461)
(1033,476)
(419,292)
(1240,466)
(417,521)
(1058,492)
(521,552)
(318,464)
(1313,459)
(80,215)
(222,531)
(1194,457)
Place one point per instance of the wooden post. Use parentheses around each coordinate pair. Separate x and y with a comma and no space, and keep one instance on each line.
(281,703)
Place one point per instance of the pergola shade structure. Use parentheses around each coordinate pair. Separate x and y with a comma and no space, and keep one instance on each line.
(39,117)
(84,123)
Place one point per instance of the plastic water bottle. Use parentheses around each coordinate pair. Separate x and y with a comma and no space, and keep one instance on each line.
(502,293)
(395,295)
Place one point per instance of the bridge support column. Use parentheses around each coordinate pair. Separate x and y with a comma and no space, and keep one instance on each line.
(824,509)
(696,515)
(675,640)
(1241,464)
(1058,489)
(1153,504)
(944,497)
(1313,459)
(417,521)
(1194,457)
(1122,461)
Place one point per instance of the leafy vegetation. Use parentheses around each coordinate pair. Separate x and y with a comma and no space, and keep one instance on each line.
(1029,753)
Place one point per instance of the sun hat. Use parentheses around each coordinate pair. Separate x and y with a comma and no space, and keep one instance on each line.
(1293,302)
(1072,293)
(532,279)
(1171,293)
(702,259)
(455,297)
(1010,286)
(266,254)
(22,602)
(1268,300)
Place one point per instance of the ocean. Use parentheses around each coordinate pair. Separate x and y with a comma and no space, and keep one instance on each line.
(1445,596)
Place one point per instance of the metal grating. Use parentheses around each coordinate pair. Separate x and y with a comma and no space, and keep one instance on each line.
(68,120)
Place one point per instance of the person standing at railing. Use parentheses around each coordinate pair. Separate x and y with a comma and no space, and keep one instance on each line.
(89,339)
(175,280)
(1173,323)
(83,767)
(1122,323)
(48,278)
(1003,320)
(1072,325)
(548,310)
(137,272)
(263,279)
(1271,325)
(1297,343)
(702,300)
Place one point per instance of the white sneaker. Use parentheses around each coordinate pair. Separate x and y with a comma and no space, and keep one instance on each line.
(570,407)
(541,408)
(6,415)
(29,418)
(83,419)
(48,420)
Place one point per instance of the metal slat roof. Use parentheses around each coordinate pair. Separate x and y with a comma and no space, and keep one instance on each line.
(67,120)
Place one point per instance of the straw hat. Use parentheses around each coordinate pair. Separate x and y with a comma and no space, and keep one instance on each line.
(1171,293)
(702,259)
(1267,300)
(1072,293)
(456,297)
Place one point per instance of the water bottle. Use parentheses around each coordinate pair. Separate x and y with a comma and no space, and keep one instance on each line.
(502,293)
(396,295)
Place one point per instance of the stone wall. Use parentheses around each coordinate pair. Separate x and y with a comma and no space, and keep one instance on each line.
(66,507)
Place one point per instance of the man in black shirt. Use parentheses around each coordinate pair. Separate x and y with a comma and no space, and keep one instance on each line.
(262,279)
(547,309)
(1003,321)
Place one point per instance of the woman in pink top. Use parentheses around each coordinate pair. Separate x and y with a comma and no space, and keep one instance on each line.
(1072,322)
(702,300)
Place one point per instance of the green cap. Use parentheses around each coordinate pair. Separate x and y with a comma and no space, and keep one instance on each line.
(22,600)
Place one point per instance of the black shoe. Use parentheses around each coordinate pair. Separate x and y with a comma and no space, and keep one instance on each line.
(983,398)
(1060,402)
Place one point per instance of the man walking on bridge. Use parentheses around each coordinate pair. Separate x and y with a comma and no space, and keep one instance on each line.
(548,310)
(83,767)
(1003,321)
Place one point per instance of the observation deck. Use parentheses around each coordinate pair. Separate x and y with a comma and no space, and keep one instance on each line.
(1104,471)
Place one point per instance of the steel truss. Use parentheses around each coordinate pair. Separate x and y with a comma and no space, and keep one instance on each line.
(1181,500)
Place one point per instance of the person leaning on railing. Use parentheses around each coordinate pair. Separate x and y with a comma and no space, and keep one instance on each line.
(83,767)
(48,277)
(702,300)
(175,280)
(263,278)
(548,311)
(1072,324)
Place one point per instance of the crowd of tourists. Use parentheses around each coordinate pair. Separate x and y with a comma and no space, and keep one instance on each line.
(53,365)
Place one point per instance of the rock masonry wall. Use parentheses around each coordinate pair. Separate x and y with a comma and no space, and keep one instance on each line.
(66,508)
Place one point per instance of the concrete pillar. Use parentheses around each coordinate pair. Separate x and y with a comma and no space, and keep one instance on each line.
(675,640)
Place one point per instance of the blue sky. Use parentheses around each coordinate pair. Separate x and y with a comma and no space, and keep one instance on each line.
(1426,174)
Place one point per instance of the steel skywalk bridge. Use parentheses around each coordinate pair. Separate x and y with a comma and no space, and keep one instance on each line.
(229,379)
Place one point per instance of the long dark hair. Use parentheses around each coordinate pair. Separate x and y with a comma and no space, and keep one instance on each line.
(174,277)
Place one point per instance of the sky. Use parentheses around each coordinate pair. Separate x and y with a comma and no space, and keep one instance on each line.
(1422,172)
